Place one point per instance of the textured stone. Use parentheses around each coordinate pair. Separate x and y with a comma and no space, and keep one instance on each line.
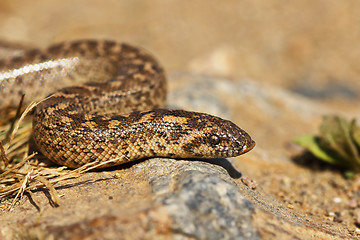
(207,207)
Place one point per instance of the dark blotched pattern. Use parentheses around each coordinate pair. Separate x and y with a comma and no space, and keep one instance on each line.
(105,110)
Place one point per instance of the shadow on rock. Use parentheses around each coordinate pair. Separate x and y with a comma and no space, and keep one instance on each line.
(226,164)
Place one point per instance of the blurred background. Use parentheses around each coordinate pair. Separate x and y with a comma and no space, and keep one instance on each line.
(309,47)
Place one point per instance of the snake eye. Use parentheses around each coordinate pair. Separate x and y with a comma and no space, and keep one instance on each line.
(214,139)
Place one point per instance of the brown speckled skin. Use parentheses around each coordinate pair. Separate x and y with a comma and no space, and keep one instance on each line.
(110,107)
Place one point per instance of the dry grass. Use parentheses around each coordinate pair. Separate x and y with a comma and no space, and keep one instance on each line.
(20,172)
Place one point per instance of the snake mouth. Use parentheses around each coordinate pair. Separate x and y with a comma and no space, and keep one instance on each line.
(248,147)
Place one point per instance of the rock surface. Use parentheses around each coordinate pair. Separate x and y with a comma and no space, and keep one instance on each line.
(272,68)
(156,198)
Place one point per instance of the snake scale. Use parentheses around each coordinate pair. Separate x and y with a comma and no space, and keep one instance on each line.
(110,105)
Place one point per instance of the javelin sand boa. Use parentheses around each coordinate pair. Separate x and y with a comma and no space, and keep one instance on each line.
(81,124)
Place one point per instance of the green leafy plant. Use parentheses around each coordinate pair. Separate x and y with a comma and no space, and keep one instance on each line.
(338,143)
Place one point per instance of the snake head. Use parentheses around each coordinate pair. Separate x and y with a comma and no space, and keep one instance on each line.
(185,134)
(214,137)
(228,140)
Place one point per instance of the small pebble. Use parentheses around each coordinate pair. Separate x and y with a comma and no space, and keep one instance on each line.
(249,182)
(117,175)
(331,214)
(357,214)
(337,217)
(353,203)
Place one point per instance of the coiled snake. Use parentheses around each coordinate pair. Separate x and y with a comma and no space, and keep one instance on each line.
(81,124)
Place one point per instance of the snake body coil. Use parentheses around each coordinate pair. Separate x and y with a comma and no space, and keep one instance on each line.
(81,124)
